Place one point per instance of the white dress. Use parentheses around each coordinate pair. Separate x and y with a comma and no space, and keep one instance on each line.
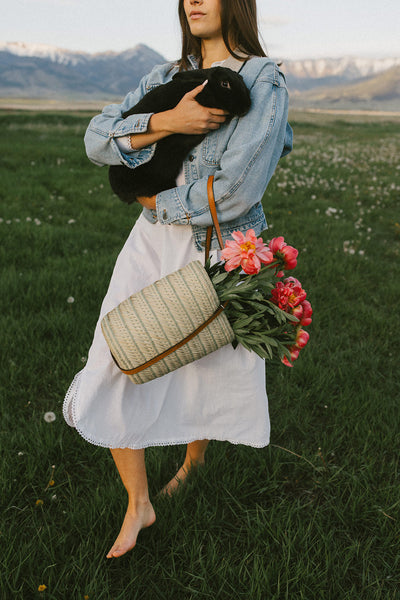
(222,396)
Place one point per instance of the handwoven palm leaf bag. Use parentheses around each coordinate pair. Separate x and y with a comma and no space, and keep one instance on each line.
(161,315)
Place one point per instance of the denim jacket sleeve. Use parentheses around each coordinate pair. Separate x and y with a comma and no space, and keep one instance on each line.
(100,144)
(260,138)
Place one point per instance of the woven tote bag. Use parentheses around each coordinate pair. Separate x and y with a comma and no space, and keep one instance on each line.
(170,323)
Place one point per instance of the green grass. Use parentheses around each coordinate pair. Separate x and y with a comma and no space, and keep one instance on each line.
(313,516)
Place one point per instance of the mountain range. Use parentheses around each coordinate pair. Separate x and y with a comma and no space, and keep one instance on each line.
(47,72)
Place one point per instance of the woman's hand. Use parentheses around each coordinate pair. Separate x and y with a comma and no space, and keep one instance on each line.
(147,201)
(190,117)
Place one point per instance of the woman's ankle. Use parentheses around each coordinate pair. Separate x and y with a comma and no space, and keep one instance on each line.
(136,502)
(195,452)
(192,463)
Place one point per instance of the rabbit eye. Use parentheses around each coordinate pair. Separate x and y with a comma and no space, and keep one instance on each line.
(226,84)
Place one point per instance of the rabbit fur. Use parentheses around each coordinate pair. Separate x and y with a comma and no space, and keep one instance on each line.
(225,90)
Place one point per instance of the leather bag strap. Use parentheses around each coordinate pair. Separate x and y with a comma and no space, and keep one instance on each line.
(213,210)
(211,201)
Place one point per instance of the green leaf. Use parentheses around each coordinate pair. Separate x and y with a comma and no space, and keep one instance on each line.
(219,277)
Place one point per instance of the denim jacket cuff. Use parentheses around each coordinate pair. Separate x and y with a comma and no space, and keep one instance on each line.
(170,209)
(136,158)
(131,125)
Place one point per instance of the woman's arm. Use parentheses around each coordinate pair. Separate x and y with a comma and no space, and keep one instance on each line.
(144,129)
(103,129)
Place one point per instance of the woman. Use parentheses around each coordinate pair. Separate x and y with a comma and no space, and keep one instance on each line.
(221,396)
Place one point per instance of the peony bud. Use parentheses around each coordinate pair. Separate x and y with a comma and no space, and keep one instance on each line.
(294,354)
(302,338)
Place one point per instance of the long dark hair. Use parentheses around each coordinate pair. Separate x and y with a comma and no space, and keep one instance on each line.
(238,24)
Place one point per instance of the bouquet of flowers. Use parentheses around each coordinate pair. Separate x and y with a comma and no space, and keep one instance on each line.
(266,310)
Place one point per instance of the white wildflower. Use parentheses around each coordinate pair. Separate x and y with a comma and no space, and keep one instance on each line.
(70,299)
(330,211)
(71,221)
(49,417)
(37,222)
(28,219)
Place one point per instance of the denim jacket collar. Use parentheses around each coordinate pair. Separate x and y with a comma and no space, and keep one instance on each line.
(231,62)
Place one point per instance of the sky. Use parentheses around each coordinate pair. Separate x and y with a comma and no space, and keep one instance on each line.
(292,29)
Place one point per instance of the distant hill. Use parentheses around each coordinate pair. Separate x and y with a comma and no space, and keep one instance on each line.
(380,91)
(45,72)
(40,71)
(311,73)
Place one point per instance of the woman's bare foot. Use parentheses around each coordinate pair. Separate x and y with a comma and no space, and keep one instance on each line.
(179,479)
(138,516)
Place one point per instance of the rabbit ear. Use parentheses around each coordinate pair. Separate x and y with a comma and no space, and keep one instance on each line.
(196,75)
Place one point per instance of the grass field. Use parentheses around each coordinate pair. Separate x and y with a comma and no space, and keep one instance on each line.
(314,516)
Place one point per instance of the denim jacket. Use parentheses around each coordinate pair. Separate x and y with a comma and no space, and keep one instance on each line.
(242,154)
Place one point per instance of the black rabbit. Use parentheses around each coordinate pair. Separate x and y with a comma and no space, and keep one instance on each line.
(225,90)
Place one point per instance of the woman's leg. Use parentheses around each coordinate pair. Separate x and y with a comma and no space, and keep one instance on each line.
(140,513)
(195,452)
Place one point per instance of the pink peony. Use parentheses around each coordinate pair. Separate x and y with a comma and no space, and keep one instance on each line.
(298,295)
(288,294)
(280,295)
(284,252)
(246,251)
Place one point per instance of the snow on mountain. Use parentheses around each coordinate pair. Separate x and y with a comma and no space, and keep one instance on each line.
(349,67)
(57,55)
(71,57)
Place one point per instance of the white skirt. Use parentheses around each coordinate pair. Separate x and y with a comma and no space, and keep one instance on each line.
(222,396)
